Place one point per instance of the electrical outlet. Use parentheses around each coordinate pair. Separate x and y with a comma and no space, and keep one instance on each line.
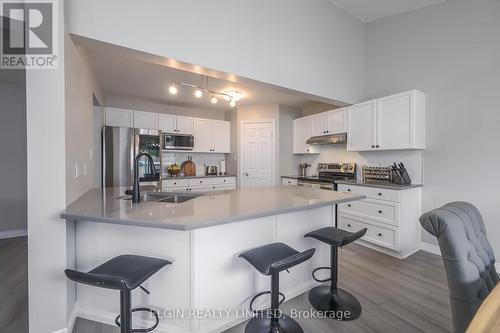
(84,168)
(77,171)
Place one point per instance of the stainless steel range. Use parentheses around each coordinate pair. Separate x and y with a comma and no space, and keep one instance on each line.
(328,173)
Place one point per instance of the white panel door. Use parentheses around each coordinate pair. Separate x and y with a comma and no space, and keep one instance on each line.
(361,126)
(394,122)
(202,135)
(167,123)
(119,117)
(257,154)
(146,120)
(184,125)
(337,121)
(318,124)
(301,133)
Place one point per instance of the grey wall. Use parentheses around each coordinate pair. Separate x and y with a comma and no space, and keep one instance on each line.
(310,46)
(136,104)
(13,173)
(451,52)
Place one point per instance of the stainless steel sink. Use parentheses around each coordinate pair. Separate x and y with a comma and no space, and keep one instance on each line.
(166,197)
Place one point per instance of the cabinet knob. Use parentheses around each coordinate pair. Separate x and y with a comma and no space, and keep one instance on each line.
(380,234)
(224,180)
(373,146)
(201,181)
(175,183)
(349,225)
(380,212)
(377,146)
(348,205)
(348,190)
(380,194)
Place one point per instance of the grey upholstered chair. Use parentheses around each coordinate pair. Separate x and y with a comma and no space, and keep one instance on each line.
(468,258)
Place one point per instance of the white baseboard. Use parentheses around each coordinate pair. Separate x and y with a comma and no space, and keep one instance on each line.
(13,233)
(431,248)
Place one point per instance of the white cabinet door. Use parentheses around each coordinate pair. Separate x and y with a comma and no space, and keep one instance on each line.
(220,136)
(319,124)
(119,117)
(394,122)
(202,135)
(301,133)
(146,120)
(361,126)
(337,121)
(167,123)
(184,125)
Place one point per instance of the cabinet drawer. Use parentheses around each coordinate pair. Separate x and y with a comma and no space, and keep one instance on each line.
(175,183)
(288,181)
(222,187)
(381,211)
(223,180)
(199,182)
(375,234)
(371,192)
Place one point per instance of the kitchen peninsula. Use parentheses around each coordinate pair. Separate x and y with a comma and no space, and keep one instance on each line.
(202,237)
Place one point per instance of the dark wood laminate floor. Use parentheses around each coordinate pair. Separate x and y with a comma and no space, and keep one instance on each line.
(14,285)
(396,295)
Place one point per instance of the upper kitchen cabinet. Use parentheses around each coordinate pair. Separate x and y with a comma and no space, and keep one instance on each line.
(301,133)
(361,126)
(119,117)
(146,120)
(211,136)
(176,124)
(388,123)
(331,122)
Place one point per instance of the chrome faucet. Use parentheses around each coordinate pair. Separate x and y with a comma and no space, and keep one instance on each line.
(136,193)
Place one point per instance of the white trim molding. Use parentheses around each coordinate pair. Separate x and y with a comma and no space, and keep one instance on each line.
(431,248)
(497,266)
(13,233)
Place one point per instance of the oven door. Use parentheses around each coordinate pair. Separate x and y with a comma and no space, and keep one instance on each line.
(178,141)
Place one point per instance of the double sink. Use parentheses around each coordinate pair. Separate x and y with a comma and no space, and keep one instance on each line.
(165,197)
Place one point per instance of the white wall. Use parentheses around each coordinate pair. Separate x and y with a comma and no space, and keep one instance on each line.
(287,162)
(310,46)
(13,199)
(45,106)
(81,86)
(451,52)
(142,105)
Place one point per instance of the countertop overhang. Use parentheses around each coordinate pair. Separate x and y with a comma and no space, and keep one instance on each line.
(209,209)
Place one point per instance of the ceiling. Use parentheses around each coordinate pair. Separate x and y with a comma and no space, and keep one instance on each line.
(372,10)
(119,74)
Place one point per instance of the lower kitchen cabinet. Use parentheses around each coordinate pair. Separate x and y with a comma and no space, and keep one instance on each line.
(199,184)
(390,216)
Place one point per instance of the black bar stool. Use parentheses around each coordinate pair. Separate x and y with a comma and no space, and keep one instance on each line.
(330,299)
(124,273)
(271,259)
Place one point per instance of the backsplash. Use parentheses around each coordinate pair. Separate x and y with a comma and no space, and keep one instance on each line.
(200,159)
(413,160)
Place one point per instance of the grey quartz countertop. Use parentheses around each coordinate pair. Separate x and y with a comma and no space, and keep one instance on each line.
(388,186)
(212,208)
(164,177)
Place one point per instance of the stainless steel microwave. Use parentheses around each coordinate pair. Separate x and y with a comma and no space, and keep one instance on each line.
(178,141)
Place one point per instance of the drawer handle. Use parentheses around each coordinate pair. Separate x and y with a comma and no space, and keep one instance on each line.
(380,212)
(380,234)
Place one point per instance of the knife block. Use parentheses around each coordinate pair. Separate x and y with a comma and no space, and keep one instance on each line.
(400,179)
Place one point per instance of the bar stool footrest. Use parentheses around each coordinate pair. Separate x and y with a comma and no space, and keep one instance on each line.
(142,330)
(320,280)
(262,294)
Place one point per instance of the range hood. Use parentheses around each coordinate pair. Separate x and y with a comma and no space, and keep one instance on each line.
(331,139)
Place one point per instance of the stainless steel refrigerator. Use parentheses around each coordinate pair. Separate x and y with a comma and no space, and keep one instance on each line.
(120,145)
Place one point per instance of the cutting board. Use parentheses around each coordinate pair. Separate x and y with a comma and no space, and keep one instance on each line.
(188,167)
